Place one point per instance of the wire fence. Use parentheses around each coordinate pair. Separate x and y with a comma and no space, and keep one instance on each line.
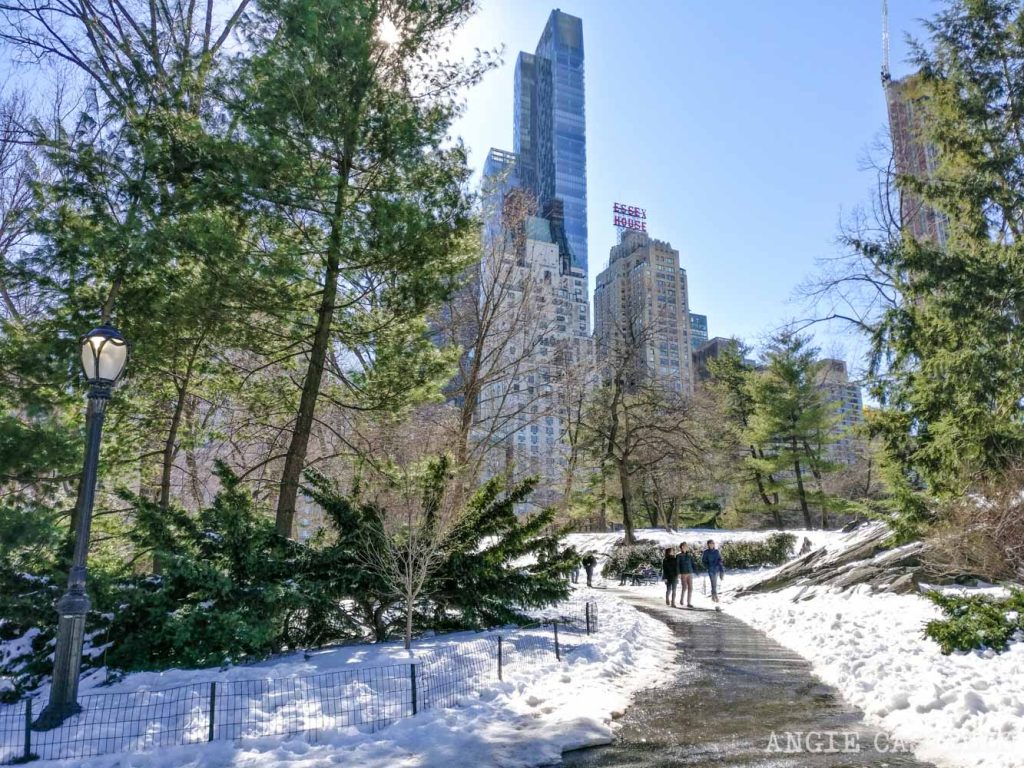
(366,698)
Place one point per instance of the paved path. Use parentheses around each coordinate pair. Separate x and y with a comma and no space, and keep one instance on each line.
(736,687)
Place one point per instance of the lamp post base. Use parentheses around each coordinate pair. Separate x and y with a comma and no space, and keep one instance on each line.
(67,661)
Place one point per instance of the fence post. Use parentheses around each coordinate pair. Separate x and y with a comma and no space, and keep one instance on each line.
(412,678)
(558,651)
(499,659)
(213,708)
(28,730)
(586,610)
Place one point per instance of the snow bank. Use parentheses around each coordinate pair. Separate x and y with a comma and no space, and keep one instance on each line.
(540,710)
(961,710)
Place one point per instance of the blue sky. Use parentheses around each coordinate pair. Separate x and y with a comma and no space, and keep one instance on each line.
(740,126)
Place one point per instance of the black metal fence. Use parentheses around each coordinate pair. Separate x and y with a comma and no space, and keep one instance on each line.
(366,698)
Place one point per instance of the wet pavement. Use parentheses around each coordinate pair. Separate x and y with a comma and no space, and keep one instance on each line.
(735,689)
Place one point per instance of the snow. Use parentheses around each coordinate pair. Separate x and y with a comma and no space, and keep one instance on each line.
(542,708)
(965,709)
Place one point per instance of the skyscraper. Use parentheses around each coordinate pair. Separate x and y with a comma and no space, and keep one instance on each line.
(535,237)
(914,155)
(539,336)
(642,294)
(549,129)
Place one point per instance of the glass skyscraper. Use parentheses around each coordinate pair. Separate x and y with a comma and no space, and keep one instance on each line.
(549,131)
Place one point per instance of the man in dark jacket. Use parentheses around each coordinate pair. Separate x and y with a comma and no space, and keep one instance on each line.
(712,560)
(687,567)
(589,561)
(670,573)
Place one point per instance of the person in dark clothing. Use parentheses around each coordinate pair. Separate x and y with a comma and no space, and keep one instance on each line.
(687,567)
(670,573)
(712,560)
(589,561)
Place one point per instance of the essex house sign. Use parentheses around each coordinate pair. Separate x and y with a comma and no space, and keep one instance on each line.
(629,217)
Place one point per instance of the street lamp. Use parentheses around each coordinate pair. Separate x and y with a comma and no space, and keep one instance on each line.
(104,354)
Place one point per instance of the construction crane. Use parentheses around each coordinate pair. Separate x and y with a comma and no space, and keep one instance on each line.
(886,76)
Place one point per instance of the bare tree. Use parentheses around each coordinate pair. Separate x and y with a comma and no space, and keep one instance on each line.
(635,419)
(18,167)
(502,322)
(417,511)
(856,287)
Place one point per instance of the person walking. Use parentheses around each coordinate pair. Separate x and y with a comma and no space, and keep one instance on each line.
(686,566)
(670,573)
(589,561)
(712,560)
(574,574)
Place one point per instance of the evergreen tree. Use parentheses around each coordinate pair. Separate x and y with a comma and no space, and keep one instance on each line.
(479,579)
(948,356)
(347,105)
(731,385)
(499,564)
(226,591)
(794,423)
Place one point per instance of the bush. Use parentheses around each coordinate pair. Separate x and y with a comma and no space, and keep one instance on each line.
(982,533)
(775,550)
(976,621)
(626,558)
(226,589)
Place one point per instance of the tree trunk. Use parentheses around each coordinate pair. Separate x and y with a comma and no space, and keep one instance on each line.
(763,493)
(295,458)
(627,514)
(802,494)
(408,622)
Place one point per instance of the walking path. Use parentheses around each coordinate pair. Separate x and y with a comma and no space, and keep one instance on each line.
(735,688)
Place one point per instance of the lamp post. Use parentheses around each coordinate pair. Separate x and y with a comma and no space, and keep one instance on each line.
(104,354)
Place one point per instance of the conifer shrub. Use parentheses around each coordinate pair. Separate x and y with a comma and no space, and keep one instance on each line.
(224,592)
(976,622)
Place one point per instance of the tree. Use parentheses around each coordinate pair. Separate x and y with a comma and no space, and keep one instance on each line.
(944,319)
(793,423)
(634,419)
(500,323)
(733,403)
(138,219)
(349,152)
(417,512)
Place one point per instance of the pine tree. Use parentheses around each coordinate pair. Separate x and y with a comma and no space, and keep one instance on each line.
(794,423)
(349,152)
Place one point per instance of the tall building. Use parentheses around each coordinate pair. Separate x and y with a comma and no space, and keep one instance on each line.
(915,157)
(913,154)
(835,384)
(549,128)
(541,332)
(535,236)
(643,293)
(698,330)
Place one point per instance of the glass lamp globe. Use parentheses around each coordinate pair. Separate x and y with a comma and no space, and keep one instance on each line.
(104,354)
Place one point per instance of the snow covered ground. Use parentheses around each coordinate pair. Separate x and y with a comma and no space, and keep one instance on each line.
(966,709)
(541,709)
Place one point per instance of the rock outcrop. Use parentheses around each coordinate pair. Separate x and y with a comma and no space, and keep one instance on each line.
(864,560)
